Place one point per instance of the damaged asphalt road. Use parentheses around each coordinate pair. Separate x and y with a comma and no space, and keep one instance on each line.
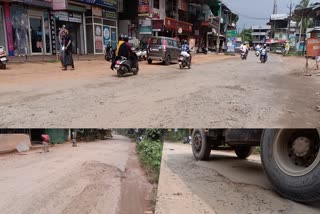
(219,91)
(224,184)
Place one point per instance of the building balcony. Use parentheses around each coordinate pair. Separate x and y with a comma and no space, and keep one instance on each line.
(259,33)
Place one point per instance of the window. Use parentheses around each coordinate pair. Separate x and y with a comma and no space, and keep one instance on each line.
(156,4)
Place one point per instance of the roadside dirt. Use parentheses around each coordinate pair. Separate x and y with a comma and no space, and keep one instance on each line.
(91,178)
(219,91)
(224,184)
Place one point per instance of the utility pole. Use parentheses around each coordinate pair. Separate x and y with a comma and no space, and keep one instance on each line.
(219,26)
(275,7)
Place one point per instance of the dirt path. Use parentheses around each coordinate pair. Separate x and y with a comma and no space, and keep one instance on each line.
(214,93)
(85,179)
(223,184)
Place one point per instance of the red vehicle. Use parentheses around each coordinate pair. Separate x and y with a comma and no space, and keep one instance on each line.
(290,157)
(3,58)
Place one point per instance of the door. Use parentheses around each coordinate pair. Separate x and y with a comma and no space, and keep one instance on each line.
(36,35)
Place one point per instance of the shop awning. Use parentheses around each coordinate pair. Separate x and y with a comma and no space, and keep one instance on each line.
(40,3)
(174,24)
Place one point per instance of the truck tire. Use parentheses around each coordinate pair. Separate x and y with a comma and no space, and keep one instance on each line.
(201,147)
(291,159)
(243,152)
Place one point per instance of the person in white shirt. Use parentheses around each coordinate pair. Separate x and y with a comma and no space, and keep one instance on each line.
(244,48)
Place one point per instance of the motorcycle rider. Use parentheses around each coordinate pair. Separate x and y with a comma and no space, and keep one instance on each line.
(116,56)
(264,49)
(126,51)
(185,50)
(244,48)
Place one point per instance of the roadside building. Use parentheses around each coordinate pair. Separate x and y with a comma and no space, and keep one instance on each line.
(260,34)
(101,24)
(27,27)
(209,27)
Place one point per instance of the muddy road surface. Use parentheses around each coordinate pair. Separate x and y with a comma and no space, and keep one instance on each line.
(224,184)
(93,178)
(219,91)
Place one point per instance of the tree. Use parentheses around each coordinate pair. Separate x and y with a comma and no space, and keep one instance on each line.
(246,35)
(303,18)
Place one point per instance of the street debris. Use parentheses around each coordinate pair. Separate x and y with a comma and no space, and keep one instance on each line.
(23,147)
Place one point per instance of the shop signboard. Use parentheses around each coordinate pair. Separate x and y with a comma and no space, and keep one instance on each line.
(59,4)
(231,33)
(231,44)
(41,3)
(183,5)
(98,38)
(109,14)
(75,17)
(96,11)
(103,3)
(145,30)
(106,35)
(53,34)
(313,47)
(157,25)
(68,17)
(143,8)
(9,28)
(176,24)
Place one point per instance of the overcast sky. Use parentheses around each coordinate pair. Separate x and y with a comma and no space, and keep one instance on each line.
(257,9)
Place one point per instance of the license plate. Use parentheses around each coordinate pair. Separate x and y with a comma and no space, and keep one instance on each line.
(155,49)
(3,59)
(116,66)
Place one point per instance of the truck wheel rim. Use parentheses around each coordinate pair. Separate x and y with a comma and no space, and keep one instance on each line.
(197,142)
(296,152)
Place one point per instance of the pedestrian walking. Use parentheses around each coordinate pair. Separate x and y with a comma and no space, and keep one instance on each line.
(68,58)
(317,62)
(62,35)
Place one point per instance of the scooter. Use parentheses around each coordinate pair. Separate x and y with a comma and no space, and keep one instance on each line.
(243,55)
(202,50)
(263,56)
(3,58)
(142,55)
(187,140)
(109,54)
(184,60)
(124,66)
(257,53)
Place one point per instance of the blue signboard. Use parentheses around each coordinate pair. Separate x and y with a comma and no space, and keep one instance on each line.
(103,3)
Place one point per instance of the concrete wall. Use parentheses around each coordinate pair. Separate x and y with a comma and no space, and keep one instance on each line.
(9,142)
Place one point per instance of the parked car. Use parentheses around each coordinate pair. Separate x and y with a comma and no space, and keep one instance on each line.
(163,49)
(290,157)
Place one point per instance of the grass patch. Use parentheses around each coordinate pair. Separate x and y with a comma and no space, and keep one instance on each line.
(150,154)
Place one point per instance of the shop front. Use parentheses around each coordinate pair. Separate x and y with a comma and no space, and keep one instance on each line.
(2,29)
(27,27)
(177,29)
(101,27)
(70,14)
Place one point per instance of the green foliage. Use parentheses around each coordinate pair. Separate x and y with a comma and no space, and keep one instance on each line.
(176,135)
(150,154)
(246,35)
(92,134)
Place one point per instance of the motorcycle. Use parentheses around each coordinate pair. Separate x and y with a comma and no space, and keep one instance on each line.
(124,66)
(202,50)
(3,58)
(243,55)
(187,140)
(142,55)
(263,56)
(108,55)
(184,60)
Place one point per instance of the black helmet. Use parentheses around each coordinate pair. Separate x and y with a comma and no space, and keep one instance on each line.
(185,42)
(126,38)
